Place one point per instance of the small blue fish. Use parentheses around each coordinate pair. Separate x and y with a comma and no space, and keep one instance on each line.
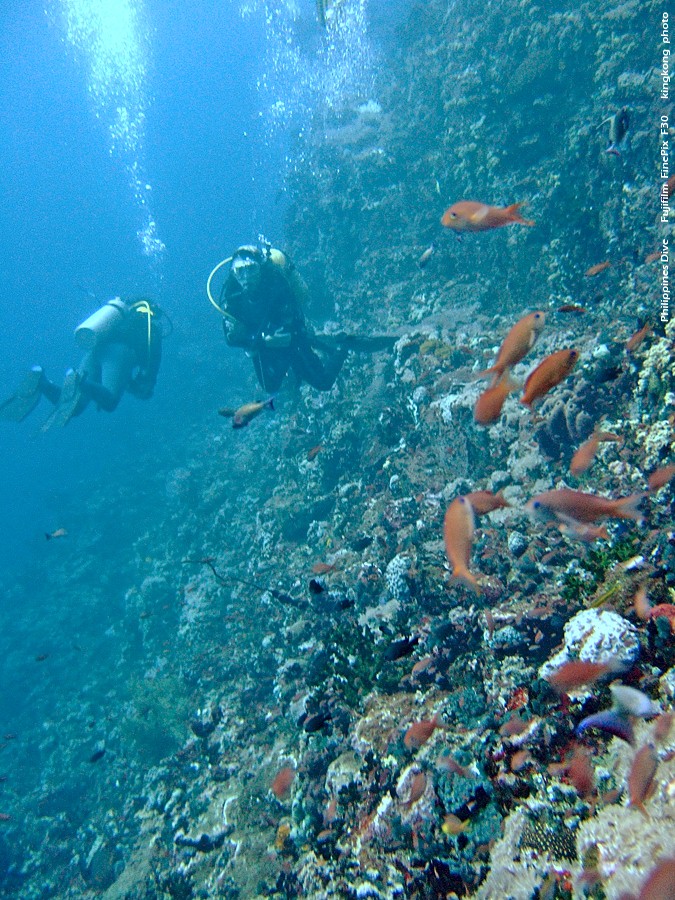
(610,721)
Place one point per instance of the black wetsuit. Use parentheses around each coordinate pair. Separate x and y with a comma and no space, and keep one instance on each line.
(272,310)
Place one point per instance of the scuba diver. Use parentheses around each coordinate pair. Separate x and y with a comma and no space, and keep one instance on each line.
(123,340)
(261,303)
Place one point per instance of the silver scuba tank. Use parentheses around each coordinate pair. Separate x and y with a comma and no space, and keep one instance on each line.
(104,320)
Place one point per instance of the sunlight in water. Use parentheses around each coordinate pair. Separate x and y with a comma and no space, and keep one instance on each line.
(111,38)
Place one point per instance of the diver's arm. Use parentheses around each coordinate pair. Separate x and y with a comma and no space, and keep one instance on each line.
(239,335)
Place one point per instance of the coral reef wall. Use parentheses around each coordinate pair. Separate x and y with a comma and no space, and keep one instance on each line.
(498,102)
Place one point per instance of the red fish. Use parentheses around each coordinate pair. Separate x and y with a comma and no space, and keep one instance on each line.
(517,343)
(458,527)
(660,885)
(419,732)
(576,673)
(483,502)
(580,772)
(667,610)
(468,215)
(597,268)
(244,414)
(418,786)
(636,339)
(565,505)
(641,777)
(661,477)
(488,407)
(282,782)
(583,458)
(586,533)
(549,373)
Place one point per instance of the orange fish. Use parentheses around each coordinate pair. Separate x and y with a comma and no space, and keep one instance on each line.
(586,533)
(636,339)
(483,502)
(468,215)
(322,568)
(641,776)
(282,782)
(448,764)
(580,772)
(453,825)
(660,884)
(418,785)
(576,506)
(488,407)
(550,372)
(572,308)
(519,760)
(661,477)
(244,414)
(596,269)
(514,726)
(662,726)
(59,533)
(314,452)
(652,257)
(583,458)
(517,344)
(458,527)
(419,732)
(667,610)
(575,673)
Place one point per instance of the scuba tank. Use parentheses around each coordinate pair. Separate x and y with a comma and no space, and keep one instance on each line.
(102,322)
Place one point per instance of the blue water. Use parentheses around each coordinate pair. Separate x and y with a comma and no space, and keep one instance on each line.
(221,100)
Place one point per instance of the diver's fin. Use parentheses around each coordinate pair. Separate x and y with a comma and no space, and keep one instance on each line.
(26,398)
(71,394)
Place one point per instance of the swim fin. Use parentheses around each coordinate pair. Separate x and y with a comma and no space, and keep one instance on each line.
(71,394)
(26,398)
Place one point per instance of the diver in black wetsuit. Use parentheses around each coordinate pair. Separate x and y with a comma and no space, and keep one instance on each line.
(261,301)
(123,340)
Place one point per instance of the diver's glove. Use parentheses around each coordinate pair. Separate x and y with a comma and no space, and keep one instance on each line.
(240,335)
(279,340)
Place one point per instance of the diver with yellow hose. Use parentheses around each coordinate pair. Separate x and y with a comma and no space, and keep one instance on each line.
(123,344)
(261,303)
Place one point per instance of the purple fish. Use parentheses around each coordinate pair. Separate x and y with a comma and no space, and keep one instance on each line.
(610,721)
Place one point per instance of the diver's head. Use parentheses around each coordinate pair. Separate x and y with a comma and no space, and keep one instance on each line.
(246,268)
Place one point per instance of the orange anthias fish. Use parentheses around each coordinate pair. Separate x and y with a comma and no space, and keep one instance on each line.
(488,407)
(583,458)
(517,344)
(283,780)
(566,505)
(419,732)
(550,372)
(244,414)
(660,884)
(661,477)
(483,502)
(575,673)
(458,527)
(636,339)
(468,215)
(641,776)
(596,269)
(580,771)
